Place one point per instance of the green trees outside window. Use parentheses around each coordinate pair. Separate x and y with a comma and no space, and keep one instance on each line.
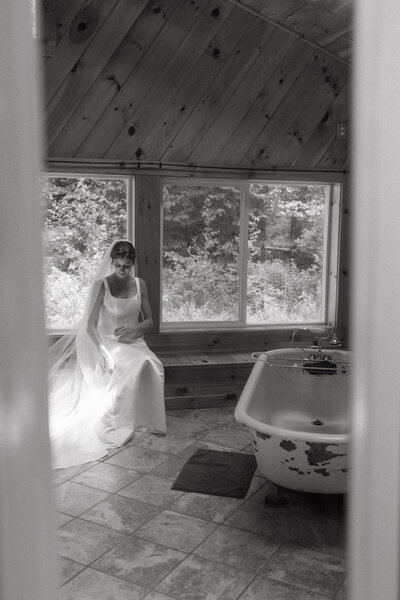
(82,215)
(233,253)
(252,253)
(201,229)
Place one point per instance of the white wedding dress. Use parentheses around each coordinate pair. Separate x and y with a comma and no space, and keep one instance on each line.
(90,414)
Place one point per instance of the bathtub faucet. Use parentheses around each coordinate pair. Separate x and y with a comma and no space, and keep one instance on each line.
(332,338)
(302,330)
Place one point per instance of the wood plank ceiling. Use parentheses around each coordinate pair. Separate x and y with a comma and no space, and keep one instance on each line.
(198,82)
(327,23)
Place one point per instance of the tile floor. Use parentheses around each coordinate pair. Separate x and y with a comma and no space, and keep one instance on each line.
(123,534)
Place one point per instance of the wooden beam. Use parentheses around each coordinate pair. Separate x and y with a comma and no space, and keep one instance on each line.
(147,239)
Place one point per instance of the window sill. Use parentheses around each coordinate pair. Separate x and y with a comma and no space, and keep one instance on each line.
(237,327)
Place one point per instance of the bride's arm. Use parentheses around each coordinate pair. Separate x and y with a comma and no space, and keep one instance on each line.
(147,318)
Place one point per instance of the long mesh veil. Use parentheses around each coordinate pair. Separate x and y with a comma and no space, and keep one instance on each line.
(76,380)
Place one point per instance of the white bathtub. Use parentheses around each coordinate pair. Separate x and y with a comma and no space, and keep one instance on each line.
(299,421)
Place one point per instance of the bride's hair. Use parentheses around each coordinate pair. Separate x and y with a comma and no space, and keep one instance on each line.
(123,249)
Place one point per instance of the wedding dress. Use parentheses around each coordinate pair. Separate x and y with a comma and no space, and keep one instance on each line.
(91,411)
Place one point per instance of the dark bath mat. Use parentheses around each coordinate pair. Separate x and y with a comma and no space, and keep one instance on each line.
(216,473)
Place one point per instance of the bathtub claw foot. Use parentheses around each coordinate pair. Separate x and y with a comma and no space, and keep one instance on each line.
(276,497)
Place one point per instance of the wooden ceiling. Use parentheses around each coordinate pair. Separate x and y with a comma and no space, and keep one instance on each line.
(327,23)
(251,84)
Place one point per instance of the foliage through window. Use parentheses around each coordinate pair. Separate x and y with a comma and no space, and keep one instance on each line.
(201,253)
(247,253)
(82,215)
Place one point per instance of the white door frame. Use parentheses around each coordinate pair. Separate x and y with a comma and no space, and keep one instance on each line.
(27,557)
(373,523)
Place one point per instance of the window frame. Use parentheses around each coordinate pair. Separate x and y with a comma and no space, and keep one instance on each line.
(130,213)
(330,274)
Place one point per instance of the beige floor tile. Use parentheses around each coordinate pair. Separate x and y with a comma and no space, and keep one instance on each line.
(153,490)
(169,469)
(84,542)
(112,452)
(61,519)
(140,561)
(121,514)
(232,439)
(308,569)
(176,530)
(204,506)
(138,459)
(237,548)
(107,477)
(316,533)
(229,422)
(74,498)
(256,493)
(169,444)
(290,525)
(140,435)
(67,569)
(92,585)
(187,453)
(267,488)
(60,475)
(258,519)
(199,579)
(267,589)
(157,596)
(328,506)
(212,417)
(234,427)
(178,426)
(248,449)
(139,532)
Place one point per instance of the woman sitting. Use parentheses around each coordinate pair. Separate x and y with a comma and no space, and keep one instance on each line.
(105,382)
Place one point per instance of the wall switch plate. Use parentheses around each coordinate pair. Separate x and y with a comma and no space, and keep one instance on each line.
(341,130)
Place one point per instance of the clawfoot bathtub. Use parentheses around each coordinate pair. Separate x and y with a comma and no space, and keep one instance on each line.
(295,406)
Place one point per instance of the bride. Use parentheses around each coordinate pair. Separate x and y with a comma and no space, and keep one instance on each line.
(105,382)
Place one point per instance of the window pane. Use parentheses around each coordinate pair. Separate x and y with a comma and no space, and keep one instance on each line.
(82,216)
(286,253)
(200,278)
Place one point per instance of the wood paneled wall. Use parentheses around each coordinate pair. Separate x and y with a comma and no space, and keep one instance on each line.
(192,82)
(147,239)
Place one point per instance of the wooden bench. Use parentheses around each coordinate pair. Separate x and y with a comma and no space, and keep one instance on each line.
(204,380)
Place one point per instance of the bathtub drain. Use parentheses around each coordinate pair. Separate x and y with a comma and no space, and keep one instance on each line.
(316,422)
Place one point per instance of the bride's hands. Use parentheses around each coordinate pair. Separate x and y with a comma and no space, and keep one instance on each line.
(107,364)
(127,334)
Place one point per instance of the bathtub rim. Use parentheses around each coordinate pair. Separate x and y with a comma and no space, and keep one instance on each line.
(291,434)
(242,416)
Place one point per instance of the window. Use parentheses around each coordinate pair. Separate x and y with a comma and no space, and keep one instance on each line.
(82,215)
(249,253)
